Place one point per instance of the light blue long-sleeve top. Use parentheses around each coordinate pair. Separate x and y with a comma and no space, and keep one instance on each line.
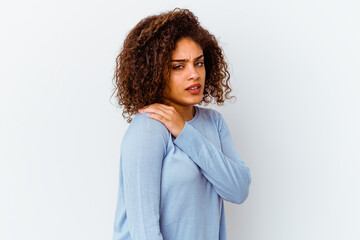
(173,188)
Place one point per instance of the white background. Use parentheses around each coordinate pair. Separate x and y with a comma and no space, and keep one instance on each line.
(295,72)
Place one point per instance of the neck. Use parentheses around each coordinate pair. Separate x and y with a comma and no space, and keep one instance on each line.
(187,112)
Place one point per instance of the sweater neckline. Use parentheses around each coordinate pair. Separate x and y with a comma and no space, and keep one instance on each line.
(197,113)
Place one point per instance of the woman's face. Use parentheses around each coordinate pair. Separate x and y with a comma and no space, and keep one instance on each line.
(187,69)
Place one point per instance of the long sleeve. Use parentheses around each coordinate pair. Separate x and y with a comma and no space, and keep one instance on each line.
(223,167)
(142,153)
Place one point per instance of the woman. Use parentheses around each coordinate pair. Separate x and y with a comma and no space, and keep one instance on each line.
(178,162)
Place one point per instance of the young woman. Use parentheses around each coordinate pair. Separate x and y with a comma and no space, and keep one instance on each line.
(178,162)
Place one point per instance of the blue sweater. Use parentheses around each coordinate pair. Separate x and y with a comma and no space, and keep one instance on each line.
(173,188)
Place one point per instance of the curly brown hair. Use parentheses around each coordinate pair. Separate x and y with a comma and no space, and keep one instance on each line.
(139,78)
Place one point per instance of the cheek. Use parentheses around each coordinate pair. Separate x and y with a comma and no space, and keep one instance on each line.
(176,82)
(170,88)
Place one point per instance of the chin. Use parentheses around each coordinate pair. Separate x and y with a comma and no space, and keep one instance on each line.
(196,101)
(187,101)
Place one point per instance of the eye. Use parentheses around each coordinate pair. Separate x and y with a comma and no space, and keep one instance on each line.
(199,64)
(177,67)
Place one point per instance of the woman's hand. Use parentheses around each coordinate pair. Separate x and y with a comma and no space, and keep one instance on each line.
(171,118)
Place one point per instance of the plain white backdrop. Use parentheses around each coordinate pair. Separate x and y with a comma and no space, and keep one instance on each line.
(295,70)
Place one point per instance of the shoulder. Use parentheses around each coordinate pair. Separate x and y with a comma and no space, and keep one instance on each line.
(144,143)
(212,114)
(143,121)
(143,130)
(216,119)
(144,125)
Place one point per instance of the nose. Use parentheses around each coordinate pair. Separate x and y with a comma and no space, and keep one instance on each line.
(193,74)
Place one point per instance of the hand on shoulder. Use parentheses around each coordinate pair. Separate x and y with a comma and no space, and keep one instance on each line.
(167,115)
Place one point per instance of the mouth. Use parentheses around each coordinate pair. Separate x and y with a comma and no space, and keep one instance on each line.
(194,89)
(194,86)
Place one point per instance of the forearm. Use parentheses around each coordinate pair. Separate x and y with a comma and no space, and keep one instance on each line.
(224,168)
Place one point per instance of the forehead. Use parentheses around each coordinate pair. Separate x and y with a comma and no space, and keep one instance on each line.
(186,48)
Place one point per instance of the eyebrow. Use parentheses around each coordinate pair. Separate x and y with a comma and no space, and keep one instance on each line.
(186,60)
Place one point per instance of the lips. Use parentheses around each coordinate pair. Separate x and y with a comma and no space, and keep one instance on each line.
(197,85)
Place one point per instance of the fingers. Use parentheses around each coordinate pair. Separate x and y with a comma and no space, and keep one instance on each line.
(167,115)
(158,117)
(157,109)
(155,112)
